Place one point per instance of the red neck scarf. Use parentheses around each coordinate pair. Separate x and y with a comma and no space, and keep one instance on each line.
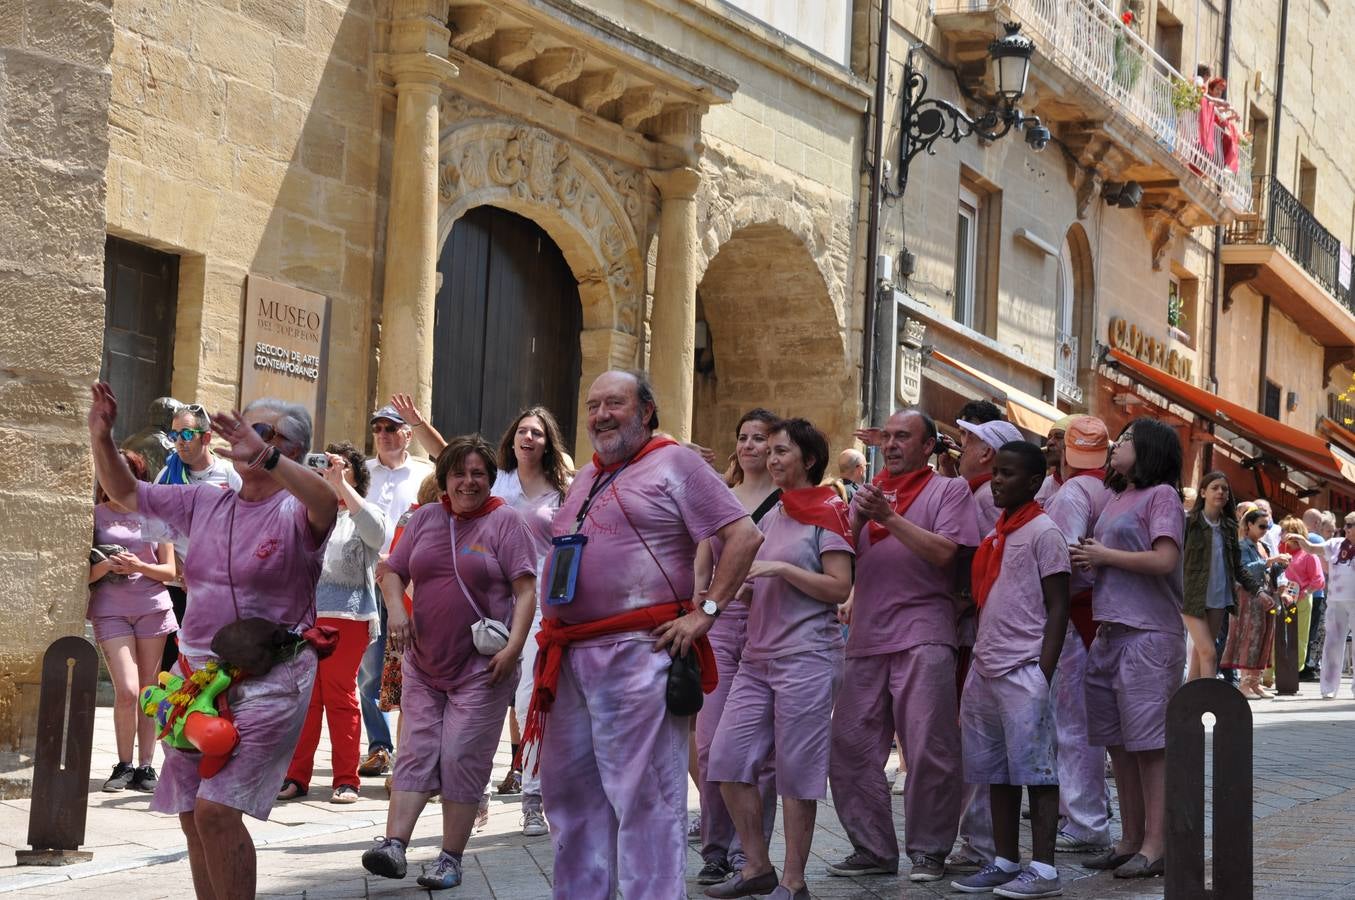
(1098,474)
(655,443)
(818,506)
(905,488)
(483,509)
(988,558)
(979,481)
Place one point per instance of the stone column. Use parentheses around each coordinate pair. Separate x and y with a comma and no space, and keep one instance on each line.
(419,68)
(672,326)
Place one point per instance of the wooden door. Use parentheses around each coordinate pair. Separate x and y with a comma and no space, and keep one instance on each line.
(141,287)
(507,327)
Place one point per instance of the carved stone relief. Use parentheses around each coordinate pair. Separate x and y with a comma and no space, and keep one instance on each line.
(594,210)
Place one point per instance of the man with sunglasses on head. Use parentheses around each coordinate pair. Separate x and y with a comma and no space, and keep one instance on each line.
(396,476)
(191,462)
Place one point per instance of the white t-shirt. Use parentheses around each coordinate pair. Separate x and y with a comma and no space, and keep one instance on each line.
(394,491)
(1340,575)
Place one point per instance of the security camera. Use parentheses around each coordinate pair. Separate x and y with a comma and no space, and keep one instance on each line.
(1038,137)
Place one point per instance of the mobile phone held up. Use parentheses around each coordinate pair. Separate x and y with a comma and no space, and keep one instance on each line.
(317,461)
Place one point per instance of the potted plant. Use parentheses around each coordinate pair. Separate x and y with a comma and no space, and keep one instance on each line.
(1128,61)
(1186,96)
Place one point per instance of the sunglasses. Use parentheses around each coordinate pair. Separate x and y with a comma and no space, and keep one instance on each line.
(388,429)
(268,432)
(186,434)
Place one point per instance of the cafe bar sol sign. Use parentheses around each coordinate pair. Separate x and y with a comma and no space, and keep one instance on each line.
(286,341)
(1128,338)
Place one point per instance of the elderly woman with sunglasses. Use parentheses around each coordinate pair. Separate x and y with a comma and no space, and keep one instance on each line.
(260,557)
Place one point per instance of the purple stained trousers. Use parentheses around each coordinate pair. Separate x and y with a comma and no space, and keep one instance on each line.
(718,839)
(1082,768)
(912,692)
(614,775)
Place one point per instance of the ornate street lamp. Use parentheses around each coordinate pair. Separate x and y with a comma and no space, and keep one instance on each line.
(926,120)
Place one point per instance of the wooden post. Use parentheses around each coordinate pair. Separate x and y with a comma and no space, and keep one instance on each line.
(1232,822)
(65,739)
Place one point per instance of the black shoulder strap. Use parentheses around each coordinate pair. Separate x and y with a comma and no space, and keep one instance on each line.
(766,506)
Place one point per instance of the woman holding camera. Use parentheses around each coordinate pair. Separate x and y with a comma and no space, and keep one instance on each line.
(345,600)
(473,564)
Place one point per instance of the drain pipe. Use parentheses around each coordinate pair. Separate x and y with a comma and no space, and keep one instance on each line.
(1216,274)
(877,142)
(1279,111)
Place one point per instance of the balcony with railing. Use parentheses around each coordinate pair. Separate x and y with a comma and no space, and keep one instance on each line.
(1108,75)
(1065,367)
(1281,248)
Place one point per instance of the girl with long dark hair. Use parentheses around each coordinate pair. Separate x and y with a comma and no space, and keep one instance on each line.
(1135,663)
(1211,568)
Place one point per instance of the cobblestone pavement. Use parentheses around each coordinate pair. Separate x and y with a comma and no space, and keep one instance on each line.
(1304,807)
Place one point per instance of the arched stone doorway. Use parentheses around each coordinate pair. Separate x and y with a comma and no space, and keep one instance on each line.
(506,332)
(592,210)
(772,338)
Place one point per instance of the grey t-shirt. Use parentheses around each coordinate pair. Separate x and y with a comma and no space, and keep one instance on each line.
(1219,594)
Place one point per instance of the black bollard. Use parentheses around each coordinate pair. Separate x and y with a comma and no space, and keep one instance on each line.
(1232,756)
(65,738)
(1287,651)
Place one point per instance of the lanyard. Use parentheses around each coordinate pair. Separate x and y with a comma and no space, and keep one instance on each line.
(597,488)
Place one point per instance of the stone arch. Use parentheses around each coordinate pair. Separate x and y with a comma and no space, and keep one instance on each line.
(774,337)
(593,212)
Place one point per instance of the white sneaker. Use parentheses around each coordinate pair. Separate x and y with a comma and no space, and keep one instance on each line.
(534,822)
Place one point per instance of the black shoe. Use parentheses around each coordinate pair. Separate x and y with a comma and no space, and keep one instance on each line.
(1308,673)
(123,775)
(145,779)
(714,872)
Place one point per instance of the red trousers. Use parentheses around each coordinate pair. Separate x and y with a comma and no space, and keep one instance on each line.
(336,694)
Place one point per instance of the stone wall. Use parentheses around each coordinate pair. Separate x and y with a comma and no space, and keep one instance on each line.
(54,88)
(246,137)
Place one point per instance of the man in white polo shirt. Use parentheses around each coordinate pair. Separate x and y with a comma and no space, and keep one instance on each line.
(396,476)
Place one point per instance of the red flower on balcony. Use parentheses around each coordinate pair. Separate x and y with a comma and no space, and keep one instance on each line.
(1127,17)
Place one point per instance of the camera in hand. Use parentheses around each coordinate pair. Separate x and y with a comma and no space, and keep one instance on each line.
(316,461)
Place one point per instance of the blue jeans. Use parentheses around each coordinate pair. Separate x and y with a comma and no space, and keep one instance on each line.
(369,691)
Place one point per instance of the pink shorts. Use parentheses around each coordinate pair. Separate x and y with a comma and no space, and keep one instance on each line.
(786,703)
(1007,733)
(1131,674)
(268,712)
(151,624)
(450,736)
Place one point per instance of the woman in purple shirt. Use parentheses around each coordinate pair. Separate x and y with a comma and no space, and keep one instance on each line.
(472,561)
(1136,662)
(782,695)
(132,614)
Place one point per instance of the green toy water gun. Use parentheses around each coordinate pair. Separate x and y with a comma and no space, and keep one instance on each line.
(186,713)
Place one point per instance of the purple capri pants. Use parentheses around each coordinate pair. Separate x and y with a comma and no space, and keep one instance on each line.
(912,692)
(719,842)
(268,714)
(1007,728)
(450,736)
(787,704)
(1131,674)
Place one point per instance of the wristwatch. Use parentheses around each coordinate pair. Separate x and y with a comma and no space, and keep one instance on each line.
(710,608)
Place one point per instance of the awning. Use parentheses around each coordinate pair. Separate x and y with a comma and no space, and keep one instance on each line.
(1297,449)
(1342,446)
(1025,411)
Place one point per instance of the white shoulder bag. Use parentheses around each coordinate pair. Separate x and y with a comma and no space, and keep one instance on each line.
(488,635)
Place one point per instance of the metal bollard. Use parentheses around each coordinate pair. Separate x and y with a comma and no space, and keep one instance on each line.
(1232,820)
(65,738)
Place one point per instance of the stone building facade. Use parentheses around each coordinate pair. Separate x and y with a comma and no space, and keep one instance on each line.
(692,169)
(501,199)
